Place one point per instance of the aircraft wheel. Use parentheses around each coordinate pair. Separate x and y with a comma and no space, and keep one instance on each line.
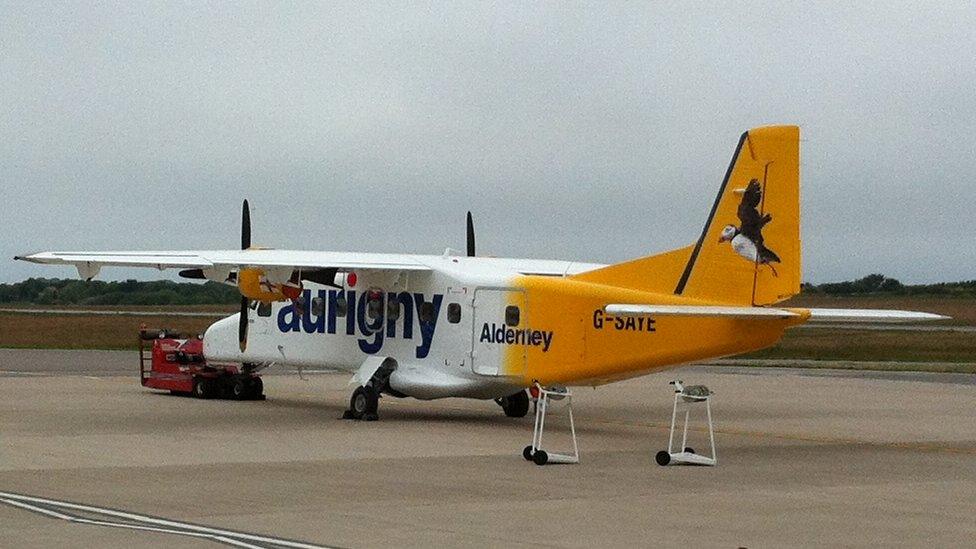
(516,405)
(663,458)
(527,453)
(363,404)
(540,457)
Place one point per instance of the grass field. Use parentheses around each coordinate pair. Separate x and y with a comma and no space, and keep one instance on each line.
(48,331)
(24,330)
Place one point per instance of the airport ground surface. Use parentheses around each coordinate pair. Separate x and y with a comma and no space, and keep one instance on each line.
(806,458)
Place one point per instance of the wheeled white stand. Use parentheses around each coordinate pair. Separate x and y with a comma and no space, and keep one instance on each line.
(685,401)
(534,452)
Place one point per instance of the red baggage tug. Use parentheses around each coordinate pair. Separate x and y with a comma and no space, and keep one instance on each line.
(176,364)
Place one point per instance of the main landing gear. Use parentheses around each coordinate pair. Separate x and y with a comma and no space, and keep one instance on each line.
(364,404)
(516,405)
(365,400)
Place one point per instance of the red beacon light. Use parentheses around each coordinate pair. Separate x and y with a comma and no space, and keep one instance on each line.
(351,279)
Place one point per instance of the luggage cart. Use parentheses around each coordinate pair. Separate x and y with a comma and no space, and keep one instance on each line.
(534,451)
(686,398)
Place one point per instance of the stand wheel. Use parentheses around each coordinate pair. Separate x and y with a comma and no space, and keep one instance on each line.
(689,450)
(663,458)
(540,457)
(527,453)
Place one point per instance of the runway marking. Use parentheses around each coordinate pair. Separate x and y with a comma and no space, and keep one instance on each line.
(57,509)
(15,373)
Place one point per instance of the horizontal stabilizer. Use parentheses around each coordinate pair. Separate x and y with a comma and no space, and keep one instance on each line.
(694,310)
(871,315)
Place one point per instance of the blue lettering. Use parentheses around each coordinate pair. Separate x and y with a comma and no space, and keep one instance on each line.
(427,327)
(291,324)
(366,328)
(405,303)
(318,326)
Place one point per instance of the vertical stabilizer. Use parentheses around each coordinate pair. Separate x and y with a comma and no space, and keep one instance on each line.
(749,250)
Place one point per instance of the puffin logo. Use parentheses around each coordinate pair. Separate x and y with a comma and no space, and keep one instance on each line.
(747,238)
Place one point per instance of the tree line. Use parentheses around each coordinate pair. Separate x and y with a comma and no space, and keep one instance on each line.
(879,284)
(58,291)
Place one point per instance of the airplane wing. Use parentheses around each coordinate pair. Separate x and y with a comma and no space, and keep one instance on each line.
(816,315)
(696,310)
(91,262)
(880,316)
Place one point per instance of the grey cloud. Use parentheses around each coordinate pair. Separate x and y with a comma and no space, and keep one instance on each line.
(594,132)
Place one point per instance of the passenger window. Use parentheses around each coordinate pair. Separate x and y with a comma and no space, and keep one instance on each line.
(341,305)
(264,308)
(512,315)
(374,304)
(392,309)
(426,312)
(318,306)
(454,313)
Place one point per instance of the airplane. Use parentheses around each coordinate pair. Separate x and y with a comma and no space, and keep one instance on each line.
(452,325)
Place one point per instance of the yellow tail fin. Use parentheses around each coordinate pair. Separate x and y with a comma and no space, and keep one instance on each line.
(749,250)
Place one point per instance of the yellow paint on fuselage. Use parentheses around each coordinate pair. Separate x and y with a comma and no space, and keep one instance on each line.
(250,285)
(583,354)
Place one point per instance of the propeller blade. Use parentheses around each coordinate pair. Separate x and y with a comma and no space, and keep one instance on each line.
(242,327)
(470,236)
(245,226)
(194,274)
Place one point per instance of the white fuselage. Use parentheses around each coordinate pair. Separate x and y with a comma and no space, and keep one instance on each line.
(434,349)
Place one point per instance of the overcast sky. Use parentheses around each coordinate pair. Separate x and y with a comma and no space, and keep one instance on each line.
(587,132)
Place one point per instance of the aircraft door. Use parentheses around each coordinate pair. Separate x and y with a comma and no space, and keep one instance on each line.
(498,315)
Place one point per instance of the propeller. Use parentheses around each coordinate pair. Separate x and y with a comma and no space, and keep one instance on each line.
(245,302)
(245,226)
(470,236)
(242,327)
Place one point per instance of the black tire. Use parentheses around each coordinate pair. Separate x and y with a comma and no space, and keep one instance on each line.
(255,388)
(527,453)
(202,387)
(689,450)
(516,405)
(540,457)
(663,458)
(363,403)
(238,387)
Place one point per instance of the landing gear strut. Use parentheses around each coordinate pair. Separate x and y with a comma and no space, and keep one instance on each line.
(516,405)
